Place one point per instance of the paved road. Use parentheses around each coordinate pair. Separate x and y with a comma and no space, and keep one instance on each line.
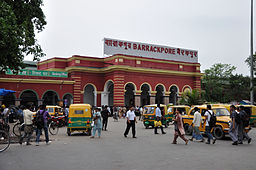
(114,152)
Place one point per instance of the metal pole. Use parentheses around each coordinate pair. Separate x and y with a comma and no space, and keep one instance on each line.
(251,82)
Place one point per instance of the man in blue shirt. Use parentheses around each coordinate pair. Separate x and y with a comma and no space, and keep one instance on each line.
(158,118)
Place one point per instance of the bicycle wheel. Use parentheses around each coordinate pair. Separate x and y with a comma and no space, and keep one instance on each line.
(16,129)
(4,140)
(53,128)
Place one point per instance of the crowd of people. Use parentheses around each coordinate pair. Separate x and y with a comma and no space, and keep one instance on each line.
(100,117)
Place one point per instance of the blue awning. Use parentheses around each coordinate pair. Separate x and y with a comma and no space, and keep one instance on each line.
(4,92)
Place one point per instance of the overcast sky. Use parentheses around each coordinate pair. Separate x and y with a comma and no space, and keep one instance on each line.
(218,29)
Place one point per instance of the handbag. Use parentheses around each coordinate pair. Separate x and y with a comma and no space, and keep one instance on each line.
(92,124)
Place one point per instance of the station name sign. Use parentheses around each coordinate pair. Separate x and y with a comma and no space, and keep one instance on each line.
(114,46)
(25,72)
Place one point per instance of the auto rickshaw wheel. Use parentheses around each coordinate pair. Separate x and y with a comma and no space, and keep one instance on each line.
(89,132)
(166,125)
(218,132)
(68,132)
(188,129)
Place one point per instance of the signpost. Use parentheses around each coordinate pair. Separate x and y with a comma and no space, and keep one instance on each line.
(113,46)
(25,72)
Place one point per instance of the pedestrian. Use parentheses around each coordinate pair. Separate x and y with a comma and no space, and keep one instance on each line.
(244,121)
(233,130)
(208,128)
(97,123)
(41,123)
(28,121)
(178,128)
(158,117)
(6,113)
(115,115)
(105,114)
(141,112)
(196,124)
(66,111)
(131,120)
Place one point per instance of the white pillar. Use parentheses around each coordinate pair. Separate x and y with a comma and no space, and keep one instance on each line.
(95,98)
(104,98)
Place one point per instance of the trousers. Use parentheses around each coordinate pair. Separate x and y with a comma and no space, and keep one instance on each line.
(129,125)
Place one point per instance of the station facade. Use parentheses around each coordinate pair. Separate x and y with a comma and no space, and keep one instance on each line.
(116,80)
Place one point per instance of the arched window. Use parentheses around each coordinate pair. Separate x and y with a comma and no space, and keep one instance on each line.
(89,94)
(50,98)
(129,94)
(28,97)
(145,97)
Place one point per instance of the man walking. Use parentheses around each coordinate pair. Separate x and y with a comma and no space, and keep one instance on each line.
(105,113)
(243,123)
(196,122)
(233,130)
(131,120)
(41,122)
(208,128)
(28,117)
(158,118)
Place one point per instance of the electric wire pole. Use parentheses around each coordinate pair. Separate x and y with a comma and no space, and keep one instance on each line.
(252,64)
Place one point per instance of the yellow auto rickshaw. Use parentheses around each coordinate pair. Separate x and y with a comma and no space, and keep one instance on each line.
(54,110)
(79,118)
(150,112)
(183,108)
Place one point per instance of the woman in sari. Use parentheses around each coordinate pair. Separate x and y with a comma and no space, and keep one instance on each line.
(178,127)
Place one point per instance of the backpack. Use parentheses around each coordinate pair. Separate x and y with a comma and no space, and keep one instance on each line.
(39,119)
(237,118)
(213,120)
(245,117)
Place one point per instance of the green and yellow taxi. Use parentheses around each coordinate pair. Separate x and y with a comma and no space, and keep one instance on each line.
(79,118)
(150,112)
(54,110)
(184,109)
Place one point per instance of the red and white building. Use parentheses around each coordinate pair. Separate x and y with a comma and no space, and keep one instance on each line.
(132,74)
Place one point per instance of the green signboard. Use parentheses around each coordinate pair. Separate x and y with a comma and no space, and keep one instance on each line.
(39,73)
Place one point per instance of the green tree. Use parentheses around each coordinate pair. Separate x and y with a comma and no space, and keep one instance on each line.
(215,82)
(248,62)
(191,98)
(19,19)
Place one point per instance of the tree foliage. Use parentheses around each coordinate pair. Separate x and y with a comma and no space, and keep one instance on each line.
(221,85)
(248,62)
(19,19)
(191,98)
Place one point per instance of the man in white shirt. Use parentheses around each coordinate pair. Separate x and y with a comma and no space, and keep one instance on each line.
(28,117)
(131,119)
(158,118)
(208,115)
(196,122)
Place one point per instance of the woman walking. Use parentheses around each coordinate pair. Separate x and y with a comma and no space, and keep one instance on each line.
(179,129)
(97,123)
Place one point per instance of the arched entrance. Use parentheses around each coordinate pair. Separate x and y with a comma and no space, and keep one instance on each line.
(107,97)
(129,95)
(159,94)
(50,98)
(173,95)
(145,97)
(67,99)
(28,97)
(89,94)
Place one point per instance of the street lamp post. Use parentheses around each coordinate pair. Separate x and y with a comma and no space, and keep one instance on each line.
(251,78)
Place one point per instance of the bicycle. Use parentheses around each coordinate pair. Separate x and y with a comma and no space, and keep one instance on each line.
(18,129)
(53,127)
(4,136)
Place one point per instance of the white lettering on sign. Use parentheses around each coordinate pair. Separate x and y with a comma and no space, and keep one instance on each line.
(113,46)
